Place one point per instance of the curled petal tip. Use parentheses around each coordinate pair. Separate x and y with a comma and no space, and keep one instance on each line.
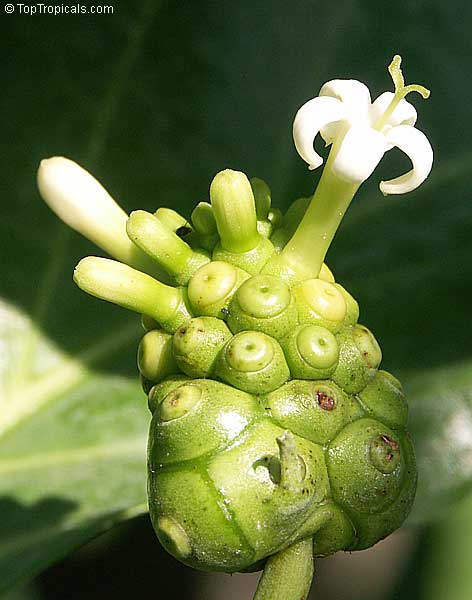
(416,146)
(309,120)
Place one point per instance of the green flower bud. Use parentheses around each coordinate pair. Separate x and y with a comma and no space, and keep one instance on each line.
(311,352)
(113,281)
(263,303)
(384,399)
(196,345)
(264,228)
(262,197)
(233,205)
(164,246)
(321,303)
(252,361)
(204,223)
(155,358)
(171,219)
(84,204)
(315,410)
(295,213)
(211,288)
(275,218)
(359,358)
(279,239)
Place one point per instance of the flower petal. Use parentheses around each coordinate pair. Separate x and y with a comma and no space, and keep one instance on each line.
(354,95)
(83,203)
(308,121)
(359,154)
(416,146)
(404,113)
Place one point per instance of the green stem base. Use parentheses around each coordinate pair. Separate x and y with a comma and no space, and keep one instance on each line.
(288,574)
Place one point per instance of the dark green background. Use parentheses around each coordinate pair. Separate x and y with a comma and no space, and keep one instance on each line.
(154,100)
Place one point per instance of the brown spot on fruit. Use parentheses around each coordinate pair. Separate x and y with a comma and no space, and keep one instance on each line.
(388,440)
(325,402)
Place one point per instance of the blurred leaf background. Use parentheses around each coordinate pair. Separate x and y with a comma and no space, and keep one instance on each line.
(154,99)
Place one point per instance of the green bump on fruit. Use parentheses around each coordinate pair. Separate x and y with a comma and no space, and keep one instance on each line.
(197,417)
(251,261)
(159,391)
(359,358)
(327,275)
(333,530)
(315,410)
(173,536)
(373,527)
(384,453)
(352,312)
(252,361)
(263,303)
(268,514)
(383,398)
(321,303)
(196,345)
(311,351)
(211,288)
(155,357)
(368,346)
(354,458)
(189,498)
(179,402)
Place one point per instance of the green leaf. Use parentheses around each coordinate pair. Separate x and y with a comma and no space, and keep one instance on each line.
(153,100)
(72,449)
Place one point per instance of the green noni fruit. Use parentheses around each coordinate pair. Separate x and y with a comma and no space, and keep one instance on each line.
(274,435)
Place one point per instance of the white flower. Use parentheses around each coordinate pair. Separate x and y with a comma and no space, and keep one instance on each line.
(361,131)
(84,204)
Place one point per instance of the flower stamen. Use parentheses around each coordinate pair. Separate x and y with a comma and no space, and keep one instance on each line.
(401,90)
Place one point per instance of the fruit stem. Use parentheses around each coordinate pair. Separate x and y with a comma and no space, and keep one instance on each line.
(288,574)
(307,248)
